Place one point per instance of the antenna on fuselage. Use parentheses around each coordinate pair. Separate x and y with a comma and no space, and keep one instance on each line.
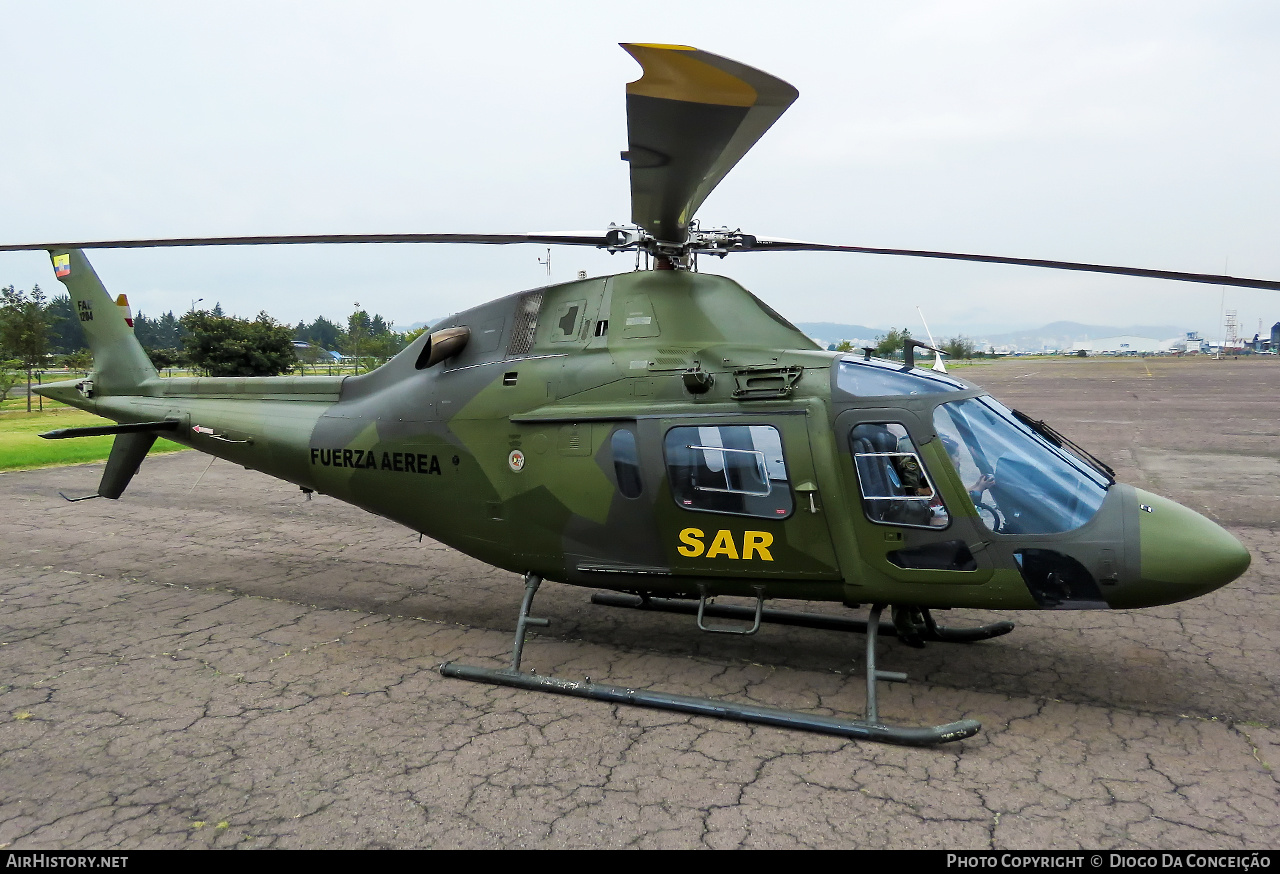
(937,356)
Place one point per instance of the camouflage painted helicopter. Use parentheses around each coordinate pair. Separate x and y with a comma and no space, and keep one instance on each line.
(666,436)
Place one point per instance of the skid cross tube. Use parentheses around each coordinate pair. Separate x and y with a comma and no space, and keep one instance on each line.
(932,631)
(869,728)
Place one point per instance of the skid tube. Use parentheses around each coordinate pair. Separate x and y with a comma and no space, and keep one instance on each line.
(869,728)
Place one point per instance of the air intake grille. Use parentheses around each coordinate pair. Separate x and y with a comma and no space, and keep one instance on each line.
(526,323)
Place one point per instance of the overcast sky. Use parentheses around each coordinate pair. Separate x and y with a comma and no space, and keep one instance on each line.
(1135,133)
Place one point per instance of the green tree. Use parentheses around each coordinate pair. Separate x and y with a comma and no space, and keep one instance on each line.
(959,347)
(65,335)
(383,346)
(358,324)
(165,332)
(844,346)
(322,332)
(81,359)
(166,356)
(890,345)
(228,346)
(9,377)
(23,329)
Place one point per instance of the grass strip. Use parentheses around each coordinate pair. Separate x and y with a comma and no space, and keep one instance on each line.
(22,447)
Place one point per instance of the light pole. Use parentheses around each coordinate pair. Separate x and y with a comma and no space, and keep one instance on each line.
(194,302)
(355,330)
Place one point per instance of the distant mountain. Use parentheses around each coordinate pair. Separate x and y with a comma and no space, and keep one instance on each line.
(1056,335)
(834,332)
(1060,335)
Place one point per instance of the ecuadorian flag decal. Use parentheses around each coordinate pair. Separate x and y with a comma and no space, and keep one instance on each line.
(62,265)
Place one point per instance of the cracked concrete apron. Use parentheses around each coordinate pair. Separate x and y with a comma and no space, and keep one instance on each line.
(235,666)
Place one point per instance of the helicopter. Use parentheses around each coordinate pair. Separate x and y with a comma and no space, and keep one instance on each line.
(667,438)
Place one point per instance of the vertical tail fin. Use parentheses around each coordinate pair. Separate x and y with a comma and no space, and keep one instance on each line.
(119,361)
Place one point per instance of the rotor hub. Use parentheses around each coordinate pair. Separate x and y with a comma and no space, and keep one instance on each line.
(677,255)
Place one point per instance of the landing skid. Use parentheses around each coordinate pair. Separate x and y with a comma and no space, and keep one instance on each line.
(868,728)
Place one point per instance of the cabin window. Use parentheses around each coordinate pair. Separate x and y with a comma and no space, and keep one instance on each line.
(626,463)
(896,489)
(735,469)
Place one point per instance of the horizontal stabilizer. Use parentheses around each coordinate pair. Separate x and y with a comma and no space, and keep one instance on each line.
(104,430)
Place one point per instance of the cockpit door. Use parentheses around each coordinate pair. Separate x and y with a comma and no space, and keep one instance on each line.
(913,519)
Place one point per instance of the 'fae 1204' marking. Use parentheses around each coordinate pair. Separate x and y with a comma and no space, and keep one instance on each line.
(399,462)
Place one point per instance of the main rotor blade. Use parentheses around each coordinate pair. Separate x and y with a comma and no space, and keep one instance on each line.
(765,244)
(691,117)
(553,238)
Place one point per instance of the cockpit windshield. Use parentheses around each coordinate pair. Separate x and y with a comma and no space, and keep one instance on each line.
(1020,483)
